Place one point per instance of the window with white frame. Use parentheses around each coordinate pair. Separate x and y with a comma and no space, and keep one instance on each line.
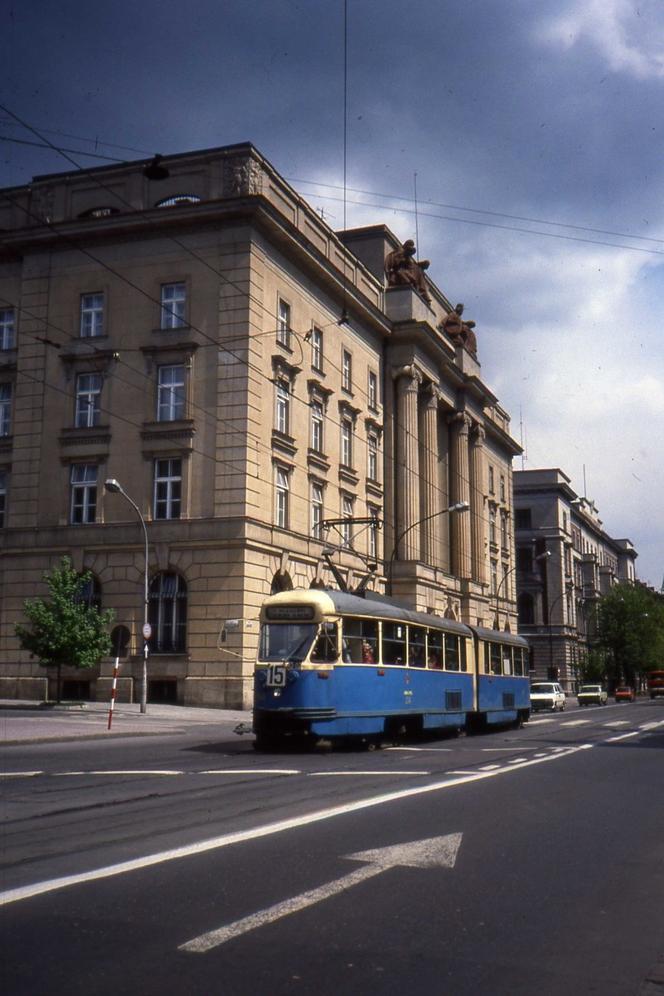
(282,489)
(5,409)
(503,531)
(317,349)
(4,476)
(316,510)
(173,305)
(88,399)
(372,541)
(346,371)
(372,391)
(7,328)
(167,488)
(283,323)
(372,456)
(92,315)
(492,525)
(83,483)
(282,406)
(170,393)
(167,613)
(317,424)
(347,525)
(346,442)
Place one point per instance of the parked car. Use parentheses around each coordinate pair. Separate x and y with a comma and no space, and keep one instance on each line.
(624,693)
(588,694)
(656,684)
(546,695)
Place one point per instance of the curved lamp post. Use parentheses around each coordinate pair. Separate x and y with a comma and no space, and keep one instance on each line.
(116,488)
(567,589)
(540,557)
(460,506)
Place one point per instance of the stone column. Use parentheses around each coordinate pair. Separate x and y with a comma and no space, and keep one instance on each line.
(460,491)
(477,494)
(407,475)
(432,502)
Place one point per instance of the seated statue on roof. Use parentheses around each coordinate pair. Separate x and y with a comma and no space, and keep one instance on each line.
(461,333)
(403,270)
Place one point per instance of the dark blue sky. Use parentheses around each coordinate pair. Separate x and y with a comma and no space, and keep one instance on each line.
(548,111)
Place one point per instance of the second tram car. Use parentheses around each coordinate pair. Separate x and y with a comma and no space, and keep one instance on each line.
(333,665)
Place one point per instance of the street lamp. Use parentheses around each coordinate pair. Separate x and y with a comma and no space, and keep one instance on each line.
(569,587)
(459,506)
(538,558)
(116,488)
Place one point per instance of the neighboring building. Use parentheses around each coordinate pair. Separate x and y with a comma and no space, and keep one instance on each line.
(564,562)
(193,329)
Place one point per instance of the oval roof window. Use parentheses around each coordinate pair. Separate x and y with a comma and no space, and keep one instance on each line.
(178,199)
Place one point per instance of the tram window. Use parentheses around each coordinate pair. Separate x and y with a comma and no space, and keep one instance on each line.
(325,647)
(435,649)
(518,660)
(360,641)
(495,658)
(462,655)
(394,643)
(507,660)
(416,641)
(452,655)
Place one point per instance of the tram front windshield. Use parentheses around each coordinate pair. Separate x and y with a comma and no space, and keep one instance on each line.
(286,641)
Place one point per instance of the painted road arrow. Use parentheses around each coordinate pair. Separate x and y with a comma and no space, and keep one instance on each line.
(435,852)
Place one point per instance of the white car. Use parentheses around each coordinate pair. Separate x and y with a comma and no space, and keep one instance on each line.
(546,695)
(591,693)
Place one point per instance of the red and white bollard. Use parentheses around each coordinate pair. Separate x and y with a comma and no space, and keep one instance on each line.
(113,691)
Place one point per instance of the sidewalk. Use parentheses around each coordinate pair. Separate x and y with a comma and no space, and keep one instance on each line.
(28,722)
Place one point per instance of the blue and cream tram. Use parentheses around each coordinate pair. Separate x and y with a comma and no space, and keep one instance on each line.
(332,664)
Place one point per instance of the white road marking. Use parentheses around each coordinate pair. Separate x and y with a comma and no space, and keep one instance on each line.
(447,750)
(253,833)
(432,853)
(489,750)
(576,722)
(20,774)
(489,767)
(250,771)
(623,736)
(651,726)
(617,722)
(371,774)
(517,760)
(143,771)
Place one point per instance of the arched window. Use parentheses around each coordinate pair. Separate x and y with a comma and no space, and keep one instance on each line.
(167,613)
(176,199)
(526,609)
(281,582)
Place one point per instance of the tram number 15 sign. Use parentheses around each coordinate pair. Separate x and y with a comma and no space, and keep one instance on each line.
(276,676)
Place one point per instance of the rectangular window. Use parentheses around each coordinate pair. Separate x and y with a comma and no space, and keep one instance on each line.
(372,456)
(492,525)
(282,489)
(346,371)
(346,442)
(494,577)
(524,559)
(372,391)
(492,482)
(317,349)
(170,393)
(373,533)
(282,409)
(317,426)
(7,328)
(503,531)
(92,315)
(316,511)
(173,305)
(522,518)
(347,525)
(5,409)
(502,488)
(83,480)
(3,497)
(284,323)
(167,488)
(88,397)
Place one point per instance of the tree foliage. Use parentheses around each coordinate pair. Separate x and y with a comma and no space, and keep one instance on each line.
(630,630)
(65,629)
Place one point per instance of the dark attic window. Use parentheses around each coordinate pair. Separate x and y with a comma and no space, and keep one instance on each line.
(99,212)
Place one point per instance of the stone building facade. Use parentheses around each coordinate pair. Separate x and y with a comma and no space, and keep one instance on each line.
(565,561)
(280,417)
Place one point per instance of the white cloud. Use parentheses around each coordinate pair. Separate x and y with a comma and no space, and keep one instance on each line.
(627,35)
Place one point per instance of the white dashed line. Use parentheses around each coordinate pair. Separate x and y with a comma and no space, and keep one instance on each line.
(370,774)
(249,771)
(623,736)
(576,722)
(20,774)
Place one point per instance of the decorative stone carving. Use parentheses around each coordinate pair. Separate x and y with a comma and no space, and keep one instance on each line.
(242,177)
(461,333)
(403,270)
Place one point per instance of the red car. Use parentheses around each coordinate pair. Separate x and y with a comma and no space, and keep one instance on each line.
(624,693)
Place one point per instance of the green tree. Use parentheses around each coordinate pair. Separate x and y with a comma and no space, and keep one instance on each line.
(630,629)
(65,629)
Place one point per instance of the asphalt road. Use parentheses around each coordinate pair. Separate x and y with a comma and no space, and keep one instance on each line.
(520,862)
